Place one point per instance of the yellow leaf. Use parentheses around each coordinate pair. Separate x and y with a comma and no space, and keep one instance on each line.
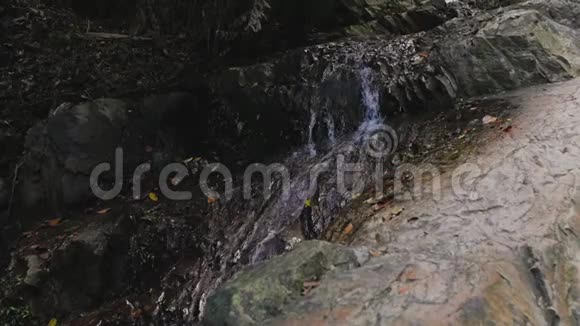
(54,222)
(103,211)
(153,196)
(53,322)
(397,211)
(308,203)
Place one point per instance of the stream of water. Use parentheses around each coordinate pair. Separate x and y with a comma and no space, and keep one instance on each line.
(257,232)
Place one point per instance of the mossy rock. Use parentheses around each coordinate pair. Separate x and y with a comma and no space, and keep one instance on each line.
(259,292)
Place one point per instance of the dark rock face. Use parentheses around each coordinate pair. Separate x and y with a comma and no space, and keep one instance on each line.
(73,272)
(511,47)
(66,148)
(86,268)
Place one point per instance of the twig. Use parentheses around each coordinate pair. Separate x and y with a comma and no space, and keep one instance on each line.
(112,36)
(14,179)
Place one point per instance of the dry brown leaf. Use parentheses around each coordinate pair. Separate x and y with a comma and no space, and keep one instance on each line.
(375,253)
(54,222)
(348,229)
(211,200)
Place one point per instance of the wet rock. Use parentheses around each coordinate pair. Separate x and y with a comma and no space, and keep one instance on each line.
(66,148)
(507,48)
(260,291)
(74,275)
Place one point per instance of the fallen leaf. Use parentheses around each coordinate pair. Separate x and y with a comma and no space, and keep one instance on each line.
(54,222)
(423,54)
(309,286)
(211,200)
(348,229)
(103,211)
(508,128)
(53,322)
(153,196)
(489,119)
(375,253)
(148,149)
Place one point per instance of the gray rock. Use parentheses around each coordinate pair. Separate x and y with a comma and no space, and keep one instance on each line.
(259,292)
(83,269)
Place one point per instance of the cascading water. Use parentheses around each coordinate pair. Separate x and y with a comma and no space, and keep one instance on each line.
(371,103)
(256,236)
(311,145)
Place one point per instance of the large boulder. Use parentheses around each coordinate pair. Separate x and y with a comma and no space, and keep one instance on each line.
(258,293)
(64,149)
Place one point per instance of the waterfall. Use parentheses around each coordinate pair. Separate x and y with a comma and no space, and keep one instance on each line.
(311,145)
(371,102)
